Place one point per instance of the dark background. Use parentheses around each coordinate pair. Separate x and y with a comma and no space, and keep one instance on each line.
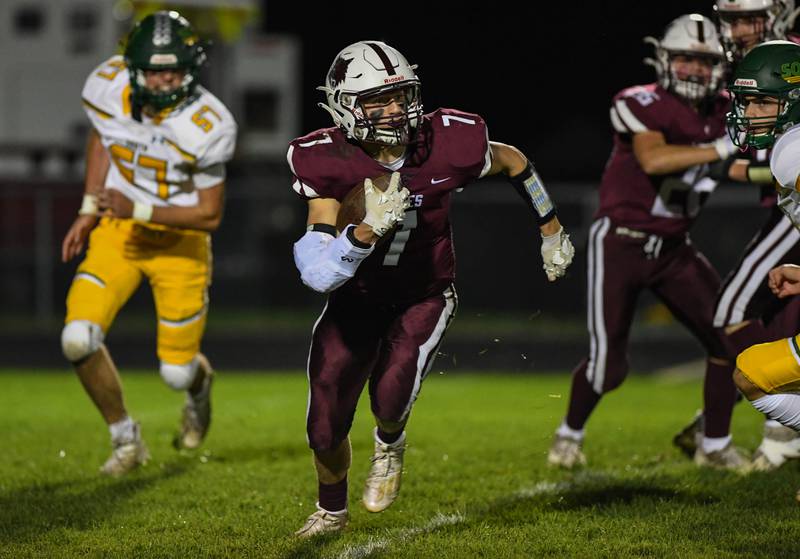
(541,75)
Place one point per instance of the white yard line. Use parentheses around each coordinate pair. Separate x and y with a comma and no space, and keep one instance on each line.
(381,543)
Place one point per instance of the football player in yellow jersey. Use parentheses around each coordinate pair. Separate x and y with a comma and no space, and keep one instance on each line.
(766,90)
(154,190)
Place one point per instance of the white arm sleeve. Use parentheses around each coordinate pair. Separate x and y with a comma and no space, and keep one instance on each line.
(785,159)
(785,166)
(326,262)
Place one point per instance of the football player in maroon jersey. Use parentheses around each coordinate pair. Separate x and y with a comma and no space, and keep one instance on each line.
(390,303)
(666,135)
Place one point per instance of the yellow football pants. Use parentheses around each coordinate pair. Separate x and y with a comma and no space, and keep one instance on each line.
(772,367)
(176,262)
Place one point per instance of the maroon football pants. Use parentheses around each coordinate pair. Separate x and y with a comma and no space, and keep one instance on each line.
(621,264)
(355,340)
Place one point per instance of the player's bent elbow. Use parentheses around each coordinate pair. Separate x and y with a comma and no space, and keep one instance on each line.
(212,219)
(651,166)
(213,223)
(312,281)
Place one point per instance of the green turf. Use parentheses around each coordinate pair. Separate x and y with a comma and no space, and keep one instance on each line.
(476,484)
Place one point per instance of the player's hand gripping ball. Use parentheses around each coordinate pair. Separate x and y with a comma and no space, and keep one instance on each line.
(380,202)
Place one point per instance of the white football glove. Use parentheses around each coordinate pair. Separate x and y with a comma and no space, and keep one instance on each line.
(724,146)
(385,209)
(557,253)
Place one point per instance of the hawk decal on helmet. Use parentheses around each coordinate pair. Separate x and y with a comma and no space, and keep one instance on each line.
(338,71)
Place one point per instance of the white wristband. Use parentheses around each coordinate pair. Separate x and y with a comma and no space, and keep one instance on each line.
(551,241)
(142,212)
(89,205)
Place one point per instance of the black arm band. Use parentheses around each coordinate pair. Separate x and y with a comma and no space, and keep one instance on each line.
(323,228)
(351,236)
(531,188)
(720,170)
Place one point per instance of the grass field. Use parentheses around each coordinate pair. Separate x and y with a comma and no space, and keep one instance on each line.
(476,483)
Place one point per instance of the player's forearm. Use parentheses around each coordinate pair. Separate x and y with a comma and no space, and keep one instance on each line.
(97,164)
(193,217)
(667,159)
(325,261)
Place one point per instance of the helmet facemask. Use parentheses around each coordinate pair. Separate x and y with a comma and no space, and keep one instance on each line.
(374,125)
(760,132)
(159,99)
(693,87)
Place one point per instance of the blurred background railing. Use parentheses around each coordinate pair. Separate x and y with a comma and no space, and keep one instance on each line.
(258,301)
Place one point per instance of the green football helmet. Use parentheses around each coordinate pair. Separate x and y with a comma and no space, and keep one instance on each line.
(771,70)
(163,40)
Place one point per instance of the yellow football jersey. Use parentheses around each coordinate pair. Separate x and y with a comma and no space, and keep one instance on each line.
(158,161)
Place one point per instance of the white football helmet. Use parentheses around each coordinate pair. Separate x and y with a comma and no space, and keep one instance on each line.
(367,69)
(689,35)
(775,13)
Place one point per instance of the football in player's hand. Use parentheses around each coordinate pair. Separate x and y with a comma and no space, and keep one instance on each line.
(352,208)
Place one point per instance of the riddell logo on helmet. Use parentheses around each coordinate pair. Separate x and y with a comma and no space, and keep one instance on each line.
(745,82)
(393,79)
(163,59)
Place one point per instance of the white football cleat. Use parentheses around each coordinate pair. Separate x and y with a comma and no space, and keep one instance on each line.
(323,522)
(197,410)
(778,445)
(383,481)
(729,458)
(565,452)
(126,455)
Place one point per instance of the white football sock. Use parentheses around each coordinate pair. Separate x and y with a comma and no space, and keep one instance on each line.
(401,440)
(783,408)
(772,423)
(568,432)
(714,444)
(123,431)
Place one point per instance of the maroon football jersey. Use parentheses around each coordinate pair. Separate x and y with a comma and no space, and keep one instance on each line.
(664,205)
(451,149)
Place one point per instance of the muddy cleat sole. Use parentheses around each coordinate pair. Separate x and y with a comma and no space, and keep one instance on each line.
(690,436)
(323,522)
(778,445)
(126,457)
(566,453)
(729,458)
(196,418)
(383,481)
